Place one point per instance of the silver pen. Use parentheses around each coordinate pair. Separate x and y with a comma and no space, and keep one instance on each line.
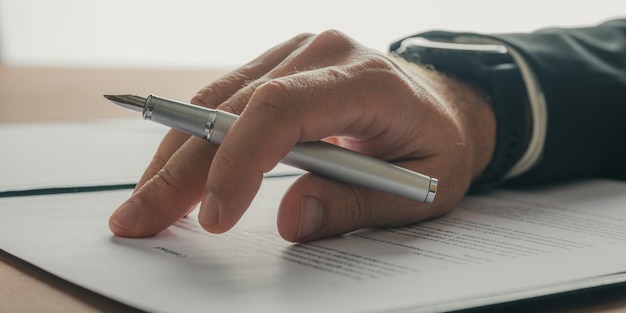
(316,157)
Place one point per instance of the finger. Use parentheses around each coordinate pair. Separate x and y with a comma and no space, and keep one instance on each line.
(172,184)
(216,93)
(272,124)
(315,207)
(172,141)
(168,195)
(330,48)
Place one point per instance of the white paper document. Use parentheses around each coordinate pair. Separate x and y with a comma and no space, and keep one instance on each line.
(494,248)
(80,154)
(76,154)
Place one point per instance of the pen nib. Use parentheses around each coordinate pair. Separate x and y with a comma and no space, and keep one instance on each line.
(135,103)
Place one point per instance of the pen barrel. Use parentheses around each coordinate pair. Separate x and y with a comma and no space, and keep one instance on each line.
(344,165)
(348,166)
(316,157)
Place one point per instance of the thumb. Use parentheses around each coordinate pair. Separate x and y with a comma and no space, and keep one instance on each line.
(316,207)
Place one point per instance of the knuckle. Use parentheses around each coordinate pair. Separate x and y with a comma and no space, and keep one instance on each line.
(334,38)
(159,160)
(378,61)
(239,78)
(358,209)
(376,67)
(337,74)
(330,43)
(224,160)
(270,96)
(299,40)
(273,88)
(208,96)
(166,178)
(214,94)
(302,37)
(238,101)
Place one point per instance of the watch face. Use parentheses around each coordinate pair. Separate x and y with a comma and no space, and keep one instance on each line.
(422,43)
(455,57)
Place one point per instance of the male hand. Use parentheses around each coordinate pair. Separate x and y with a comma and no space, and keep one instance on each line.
(317,87)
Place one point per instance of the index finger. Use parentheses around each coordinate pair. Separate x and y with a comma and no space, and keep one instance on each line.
(271,125)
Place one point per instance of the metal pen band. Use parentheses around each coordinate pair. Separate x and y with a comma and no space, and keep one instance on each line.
(194,120)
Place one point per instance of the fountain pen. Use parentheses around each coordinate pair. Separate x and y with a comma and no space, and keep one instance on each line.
(317,157)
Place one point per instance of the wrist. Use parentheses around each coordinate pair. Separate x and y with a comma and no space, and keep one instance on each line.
(473,112)
(494,68)
(469,107)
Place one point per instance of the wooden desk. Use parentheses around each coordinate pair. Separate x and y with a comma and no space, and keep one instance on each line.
(37,94)
(60,94)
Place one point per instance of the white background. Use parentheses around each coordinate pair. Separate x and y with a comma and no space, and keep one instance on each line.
(223,34)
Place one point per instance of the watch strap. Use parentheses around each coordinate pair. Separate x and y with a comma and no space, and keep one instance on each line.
(499,76)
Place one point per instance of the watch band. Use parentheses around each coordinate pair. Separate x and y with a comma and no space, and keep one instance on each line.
(510,106)
(493,69)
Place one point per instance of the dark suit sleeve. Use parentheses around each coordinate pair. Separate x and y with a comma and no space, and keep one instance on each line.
(582,73)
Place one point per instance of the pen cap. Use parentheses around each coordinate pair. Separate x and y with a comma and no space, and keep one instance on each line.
(189,118)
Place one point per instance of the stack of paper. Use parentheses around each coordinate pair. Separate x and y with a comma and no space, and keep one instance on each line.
(491,249)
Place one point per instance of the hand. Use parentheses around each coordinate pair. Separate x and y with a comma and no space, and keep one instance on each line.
(317,87)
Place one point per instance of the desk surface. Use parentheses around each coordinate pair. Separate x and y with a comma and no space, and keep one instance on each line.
(59,94)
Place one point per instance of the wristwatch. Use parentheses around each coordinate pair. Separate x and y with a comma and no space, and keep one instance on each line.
(491,67)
